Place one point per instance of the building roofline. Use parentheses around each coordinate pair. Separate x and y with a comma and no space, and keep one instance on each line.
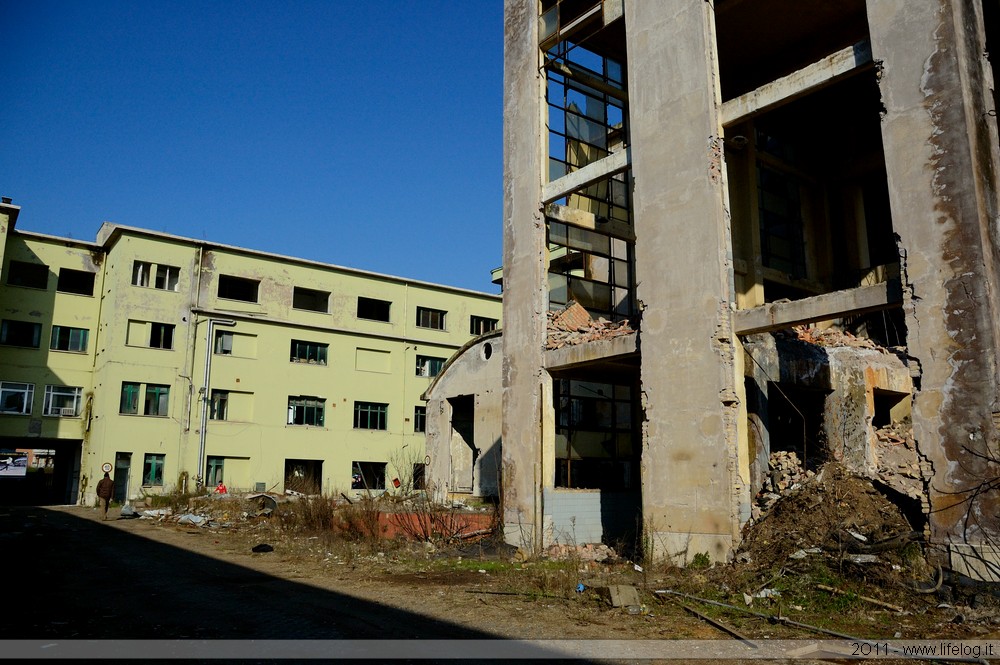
(61,239)
(109,233)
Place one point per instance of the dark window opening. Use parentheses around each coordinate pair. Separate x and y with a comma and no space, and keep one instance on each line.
(152,470)
(304,410)
(308,299)
(419,418)
(375,310)
(431,318)
(368,475)
(304,475)
(161,336)
(32,275)
(890,407)
(795,422)
(429,366)
(370,415)
(75,281)
(21,333)
(308,352)
(238,288)
(595,435)
(69,339)
(419,476)
(157,400)
(219,406)
(479,325)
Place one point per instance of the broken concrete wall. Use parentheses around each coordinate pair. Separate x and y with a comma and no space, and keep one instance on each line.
(939,136)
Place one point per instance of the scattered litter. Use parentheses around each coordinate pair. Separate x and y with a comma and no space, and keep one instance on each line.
(858,536)
(861,558)
(767,593)
(197,520)
(482,570)
(128,512)
(867,599)
(637,567)
(580,588)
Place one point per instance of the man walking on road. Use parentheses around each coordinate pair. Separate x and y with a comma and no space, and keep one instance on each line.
(105,490)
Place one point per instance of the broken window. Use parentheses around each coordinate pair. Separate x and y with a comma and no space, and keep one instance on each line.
(431,318)
(141,271)
(479,325)
(370,415)
(163,277)
(161,336)
(65,338)
(303,475)
(129,403)
(79,282)
(16,398)
(157,400)
(219,405)
(419,418)
(308,352)
(214,471)
(306,411)
(20,333)
(308,299)
(167,278)
(373,309)
(368,475)
(238,288)
(152,470)
(62,401)
(32,275)
(429,366)
(595,435)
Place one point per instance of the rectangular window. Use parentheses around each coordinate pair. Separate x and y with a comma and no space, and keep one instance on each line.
(370,415)
(141,272)
(215,468)
(161,336)
(79,282)
(62,401)
(20,333)
(419,476)
(152,470)
(479,325)
(16,398)
(219,407)
(306,411)
(65,338)
(167,278)
(238,288)
(308,352)
(32,275)
(223,343)
(420,419)
(308,299)
(157,400)
(129,404)
(368,475)
(430,318)
(429,366)
(372,309)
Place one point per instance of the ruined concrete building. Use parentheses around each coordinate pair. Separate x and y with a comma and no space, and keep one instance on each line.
(716,173)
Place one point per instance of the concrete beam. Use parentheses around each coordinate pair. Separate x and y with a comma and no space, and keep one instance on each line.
(829,70)
(588,220)
(589,352)
(604,168)
(778,315)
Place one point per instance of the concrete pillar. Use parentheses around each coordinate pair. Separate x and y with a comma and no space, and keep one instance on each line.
(694,493)
(941,158)
(525,299)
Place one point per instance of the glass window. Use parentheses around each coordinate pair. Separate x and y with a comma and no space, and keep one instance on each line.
(152,470)
(21,333)
(306,411)
(308,299)
(79,282)
(32,275)
(420,419)
(157,400)
(129,403)
(161,336)
(238,288)
(308,352)
(370,415)
(375,310)
(430,318)
(62,401)
(219,406)
(481,324)
(65,338)
(429,366)
(16,397)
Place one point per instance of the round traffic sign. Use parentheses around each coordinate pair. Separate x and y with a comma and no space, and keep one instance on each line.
(106,467)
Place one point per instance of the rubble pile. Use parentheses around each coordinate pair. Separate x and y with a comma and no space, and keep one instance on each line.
(785,474)
(832,337)
(897,462)
(574,325)
(596,552)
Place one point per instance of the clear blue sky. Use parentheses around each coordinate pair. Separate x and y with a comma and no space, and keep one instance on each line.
(365,134)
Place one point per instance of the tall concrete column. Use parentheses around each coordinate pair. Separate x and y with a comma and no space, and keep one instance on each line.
(525,300)
(693,494)
(941,158)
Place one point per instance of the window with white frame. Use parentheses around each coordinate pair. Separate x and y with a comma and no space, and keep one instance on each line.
(429,366)
(63,401)
(158,276)
(16,398)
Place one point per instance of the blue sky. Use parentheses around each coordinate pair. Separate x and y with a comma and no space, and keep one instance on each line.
(365,134)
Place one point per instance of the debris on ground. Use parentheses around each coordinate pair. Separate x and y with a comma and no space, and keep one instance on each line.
(785,474)
(898,463)
(831,337)
(574,325)
(595,552)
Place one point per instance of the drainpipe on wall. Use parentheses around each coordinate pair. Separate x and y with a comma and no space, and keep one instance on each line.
(199,479)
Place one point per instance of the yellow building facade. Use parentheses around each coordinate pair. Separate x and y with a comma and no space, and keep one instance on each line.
(181,363)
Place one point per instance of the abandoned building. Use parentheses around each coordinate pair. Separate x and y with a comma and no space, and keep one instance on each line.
(703,177)
(175,361)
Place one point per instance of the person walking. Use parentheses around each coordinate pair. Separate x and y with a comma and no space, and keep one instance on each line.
(105,490)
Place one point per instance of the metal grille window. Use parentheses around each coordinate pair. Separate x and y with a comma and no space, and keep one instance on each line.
(62,401)
(219,406)
(65,338)
(481,324)
(308,352)
(304,410)
(16,398)
(429,366)
(21,333)
(157,400)
(32,275)
(370,415)
(420,419)
(431,318)
(152,470)
(161,336)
